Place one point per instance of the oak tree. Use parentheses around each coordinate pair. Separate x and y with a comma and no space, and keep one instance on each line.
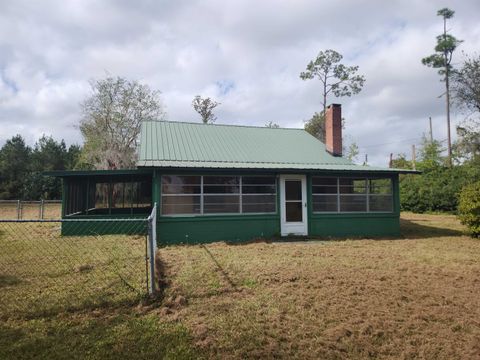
(205,106)
(112,118)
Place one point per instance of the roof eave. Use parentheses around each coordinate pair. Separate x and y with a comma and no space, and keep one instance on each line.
(271,167)
(68,173)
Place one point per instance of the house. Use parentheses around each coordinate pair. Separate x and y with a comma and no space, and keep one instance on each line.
(235,183)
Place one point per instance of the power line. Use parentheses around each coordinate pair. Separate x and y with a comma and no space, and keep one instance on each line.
(397,141)
(390,142)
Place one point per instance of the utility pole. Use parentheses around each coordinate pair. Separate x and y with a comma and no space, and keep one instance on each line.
(391,160)
(413,157)
(431,131)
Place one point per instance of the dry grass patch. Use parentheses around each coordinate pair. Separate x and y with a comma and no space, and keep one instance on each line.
(416,297)
(42,272)
(29,211)
(80,297)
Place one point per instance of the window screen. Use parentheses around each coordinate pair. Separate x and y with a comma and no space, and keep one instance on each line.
(192,195)
(259,194)
(349,194)
(181,194)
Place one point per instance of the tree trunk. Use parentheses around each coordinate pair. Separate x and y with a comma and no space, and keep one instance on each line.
(324,98)
(447,97)
(447,94)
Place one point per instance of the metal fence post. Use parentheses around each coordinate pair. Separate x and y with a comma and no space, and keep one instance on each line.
(42,204)
(18,209)
(152,246)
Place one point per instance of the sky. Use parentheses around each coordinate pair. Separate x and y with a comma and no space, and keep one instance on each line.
(247,55)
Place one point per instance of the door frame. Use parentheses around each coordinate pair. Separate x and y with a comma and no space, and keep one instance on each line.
(296,228)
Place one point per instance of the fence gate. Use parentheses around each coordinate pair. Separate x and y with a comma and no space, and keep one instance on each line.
(43,271)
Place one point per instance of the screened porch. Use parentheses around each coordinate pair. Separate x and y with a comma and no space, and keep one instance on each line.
(106,193)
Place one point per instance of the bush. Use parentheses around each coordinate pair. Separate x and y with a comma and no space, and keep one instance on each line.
(469,208)
(437,189)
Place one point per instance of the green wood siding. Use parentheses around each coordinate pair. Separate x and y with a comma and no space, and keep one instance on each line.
(82,228)
(204,229)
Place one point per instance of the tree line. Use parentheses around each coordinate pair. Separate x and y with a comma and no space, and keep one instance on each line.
(22,167)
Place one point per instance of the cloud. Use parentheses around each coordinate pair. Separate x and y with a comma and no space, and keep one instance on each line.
(245,54)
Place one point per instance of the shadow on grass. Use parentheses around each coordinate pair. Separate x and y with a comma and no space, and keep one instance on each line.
(105,335)
(221,270)
(8,280)
(409,230)
(413,230)
(52,310)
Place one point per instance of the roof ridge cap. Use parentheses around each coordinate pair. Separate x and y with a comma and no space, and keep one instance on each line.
(227,125)
(252,162)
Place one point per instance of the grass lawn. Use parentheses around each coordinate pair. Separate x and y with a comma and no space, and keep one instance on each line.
(415,297)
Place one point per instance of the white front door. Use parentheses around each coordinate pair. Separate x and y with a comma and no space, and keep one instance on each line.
(293,201)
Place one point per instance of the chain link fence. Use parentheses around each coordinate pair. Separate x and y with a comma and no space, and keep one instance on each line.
(45,269)
(21,209)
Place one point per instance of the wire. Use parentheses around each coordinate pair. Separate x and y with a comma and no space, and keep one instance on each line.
(397,141)
(390,142)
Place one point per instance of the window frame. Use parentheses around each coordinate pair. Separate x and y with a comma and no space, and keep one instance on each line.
(367,195)
(239,194)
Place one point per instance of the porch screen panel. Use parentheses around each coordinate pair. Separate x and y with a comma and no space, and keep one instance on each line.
(102,195)
(380,195)
(75,201)
(259,194)
(221,194)
(325,194)
(122,195)
(144,195)
(118,196)
(181,195)
(351,194)
(218,195)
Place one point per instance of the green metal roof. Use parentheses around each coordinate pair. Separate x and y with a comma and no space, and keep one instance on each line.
(196,145)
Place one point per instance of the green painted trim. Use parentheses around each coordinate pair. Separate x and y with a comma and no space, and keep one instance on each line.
(309,203)
(87,195)
(396,195)
(109,216)
(228,171)
(348,215)
(156,191)
(68,173)
(200,218)
(64,196)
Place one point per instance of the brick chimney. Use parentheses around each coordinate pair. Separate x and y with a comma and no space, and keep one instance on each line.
(333,129)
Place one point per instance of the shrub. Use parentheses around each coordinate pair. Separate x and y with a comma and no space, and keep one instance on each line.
(469,208)
(436,189)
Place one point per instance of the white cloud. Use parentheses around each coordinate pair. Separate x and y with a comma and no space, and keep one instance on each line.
(245,54)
